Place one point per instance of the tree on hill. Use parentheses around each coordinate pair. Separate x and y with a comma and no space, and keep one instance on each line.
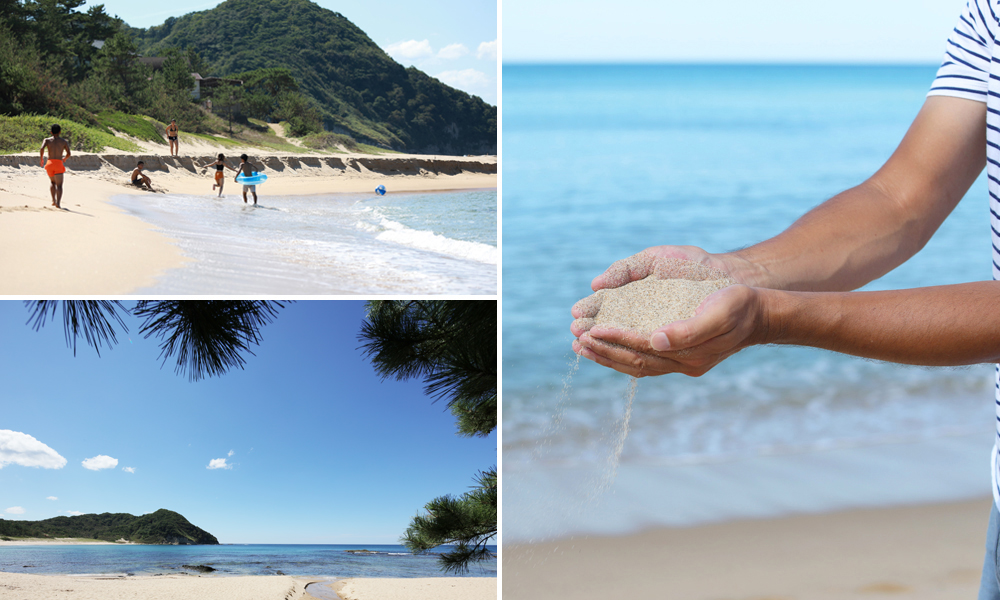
(451,344)
(123,80)
(359,88)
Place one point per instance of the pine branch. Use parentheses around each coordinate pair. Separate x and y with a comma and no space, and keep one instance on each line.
(208,336)
(91,318)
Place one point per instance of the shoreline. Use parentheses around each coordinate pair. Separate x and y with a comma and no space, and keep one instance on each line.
(922,552)
(93,247)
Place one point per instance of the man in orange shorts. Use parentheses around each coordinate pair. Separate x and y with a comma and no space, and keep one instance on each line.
(54,165)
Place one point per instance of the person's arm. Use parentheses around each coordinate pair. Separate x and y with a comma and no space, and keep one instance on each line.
(68,153)
(842,244)
(41,153)
(865,232)
(933,326)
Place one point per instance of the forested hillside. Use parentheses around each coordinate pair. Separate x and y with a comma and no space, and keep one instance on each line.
(299,64)
(359,89)
(160,527)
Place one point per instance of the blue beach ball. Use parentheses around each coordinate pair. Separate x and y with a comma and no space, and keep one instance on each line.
(380,190)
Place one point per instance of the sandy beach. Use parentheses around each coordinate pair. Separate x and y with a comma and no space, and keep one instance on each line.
(56,542)
(924,552)
(181,587)
(92,247)
(166,587)
(420,588)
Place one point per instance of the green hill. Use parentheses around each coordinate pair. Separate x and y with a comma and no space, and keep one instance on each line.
(160,527)
(360,89)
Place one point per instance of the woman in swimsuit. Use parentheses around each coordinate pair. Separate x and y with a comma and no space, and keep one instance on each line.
(172,134)
(220,179)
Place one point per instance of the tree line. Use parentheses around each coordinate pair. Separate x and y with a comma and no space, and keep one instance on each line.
(56,60)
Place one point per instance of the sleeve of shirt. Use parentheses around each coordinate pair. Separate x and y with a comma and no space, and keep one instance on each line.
(965,70)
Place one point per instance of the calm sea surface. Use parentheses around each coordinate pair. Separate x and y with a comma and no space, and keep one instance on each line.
(400,243)
(601,162)
(244,559)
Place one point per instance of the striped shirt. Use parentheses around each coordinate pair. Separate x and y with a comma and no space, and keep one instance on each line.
(971,70)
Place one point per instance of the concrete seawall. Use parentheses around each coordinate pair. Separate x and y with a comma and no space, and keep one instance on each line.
(333,164)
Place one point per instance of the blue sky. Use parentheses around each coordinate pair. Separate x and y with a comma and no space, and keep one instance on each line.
(452,40)
(316,448)
(727,30)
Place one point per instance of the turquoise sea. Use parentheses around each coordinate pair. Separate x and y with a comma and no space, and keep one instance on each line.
(603,161)
(325,561)
(400,243)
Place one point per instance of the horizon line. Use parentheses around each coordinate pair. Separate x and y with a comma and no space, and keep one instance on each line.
(709,62)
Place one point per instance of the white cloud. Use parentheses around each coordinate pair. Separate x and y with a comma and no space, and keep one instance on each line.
(15,510)
(218,463)
(232,452)
(100,462)
(74,513)
(410,49)
(453,51)
(52,498)
(487,50)
(21,449)
(465,79)
(128,469)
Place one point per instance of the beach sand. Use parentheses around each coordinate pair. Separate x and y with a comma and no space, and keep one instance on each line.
(425,588)
(923,552)
(57,542)
(20,586)
(94,248)
(166,587)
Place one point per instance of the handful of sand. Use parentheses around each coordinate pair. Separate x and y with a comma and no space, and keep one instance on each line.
(671,293)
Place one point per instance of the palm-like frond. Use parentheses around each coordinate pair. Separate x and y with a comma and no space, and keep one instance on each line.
(451,343)
(469,522)
(94,319)
(208,336)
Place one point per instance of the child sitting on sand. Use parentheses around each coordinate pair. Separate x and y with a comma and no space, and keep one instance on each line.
(248,169)
(139,179)
(220,178)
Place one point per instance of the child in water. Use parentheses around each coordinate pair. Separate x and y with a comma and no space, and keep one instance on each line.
(220,178)
(248,169)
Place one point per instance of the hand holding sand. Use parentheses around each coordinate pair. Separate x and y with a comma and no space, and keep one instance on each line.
(684,317)
(665,262)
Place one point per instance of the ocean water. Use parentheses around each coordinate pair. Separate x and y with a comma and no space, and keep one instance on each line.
(602,162)
(328,561)
(400,243)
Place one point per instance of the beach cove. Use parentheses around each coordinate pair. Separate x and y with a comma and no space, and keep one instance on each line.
(94,246)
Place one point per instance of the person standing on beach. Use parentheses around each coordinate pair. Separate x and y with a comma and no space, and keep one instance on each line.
(248,170)
(172,134)
(795,288)
(54,166)
(220,178)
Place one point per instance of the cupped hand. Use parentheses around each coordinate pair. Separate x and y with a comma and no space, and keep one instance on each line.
(726,322)
(650,262)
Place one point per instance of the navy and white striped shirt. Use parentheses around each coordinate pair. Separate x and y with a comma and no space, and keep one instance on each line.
(971,70)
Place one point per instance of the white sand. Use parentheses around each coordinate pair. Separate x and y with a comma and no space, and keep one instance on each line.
(17,586)
(426,588)
(95,248)
(57,542)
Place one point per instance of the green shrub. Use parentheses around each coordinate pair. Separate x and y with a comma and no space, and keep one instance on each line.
(25,133)
(133,125)
(329,141)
